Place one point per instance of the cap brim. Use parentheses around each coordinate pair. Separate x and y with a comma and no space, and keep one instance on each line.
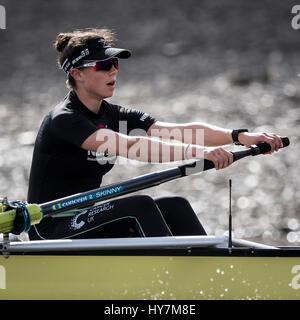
(110,53)
(116,52)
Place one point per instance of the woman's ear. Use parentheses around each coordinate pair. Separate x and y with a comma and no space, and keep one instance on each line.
(76,74)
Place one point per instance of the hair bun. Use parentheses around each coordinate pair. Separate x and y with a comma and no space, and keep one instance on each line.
(62,41)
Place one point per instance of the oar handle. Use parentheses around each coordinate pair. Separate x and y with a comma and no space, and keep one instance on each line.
(257,149)
(203,165)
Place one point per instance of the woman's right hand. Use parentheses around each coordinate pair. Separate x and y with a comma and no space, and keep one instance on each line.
(219,156)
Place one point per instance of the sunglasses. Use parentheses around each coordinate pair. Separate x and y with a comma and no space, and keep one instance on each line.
(102,65)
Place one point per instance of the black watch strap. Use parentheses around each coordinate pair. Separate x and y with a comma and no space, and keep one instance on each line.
(235,135)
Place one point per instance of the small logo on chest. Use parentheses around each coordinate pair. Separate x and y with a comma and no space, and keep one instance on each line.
(101,157)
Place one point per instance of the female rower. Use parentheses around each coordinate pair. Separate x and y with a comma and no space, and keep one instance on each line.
(79,140)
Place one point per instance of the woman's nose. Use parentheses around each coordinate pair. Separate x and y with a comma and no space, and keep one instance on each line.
(113,70)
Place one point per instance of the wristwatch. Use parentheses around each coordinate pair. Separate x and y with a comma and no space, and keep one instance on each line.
(235,136)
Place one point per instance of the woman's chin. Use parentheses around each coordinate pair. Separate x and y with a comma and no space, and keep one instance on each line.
(108,95)
(101,96)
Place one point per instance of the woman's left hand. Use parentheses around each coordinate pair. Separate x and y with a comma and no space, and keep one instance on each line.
(272,139)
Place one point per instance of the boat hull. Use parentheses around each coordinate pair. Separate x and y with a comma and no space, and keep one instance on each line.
(166,277)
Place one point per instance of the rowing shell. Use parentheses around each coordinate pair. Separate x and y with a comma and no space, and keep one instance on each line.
(193,268)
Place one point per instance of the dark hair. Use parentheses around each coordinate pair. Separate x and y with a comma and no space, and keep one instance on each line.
(66,42)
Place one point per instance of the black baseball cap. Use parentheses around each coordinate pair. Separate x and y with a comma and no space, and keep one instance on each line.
(94,49)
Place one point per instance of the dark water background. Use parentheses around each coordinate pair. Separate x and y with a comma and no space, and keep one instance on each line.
(230,63)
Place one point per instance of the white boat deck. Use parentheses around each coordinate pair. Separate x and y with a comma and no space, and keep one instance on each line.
(183,242)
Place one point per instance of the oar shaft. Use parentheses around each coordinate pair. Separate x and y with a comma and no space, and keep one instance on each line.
(142,182)
(110,191)
(37,212)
